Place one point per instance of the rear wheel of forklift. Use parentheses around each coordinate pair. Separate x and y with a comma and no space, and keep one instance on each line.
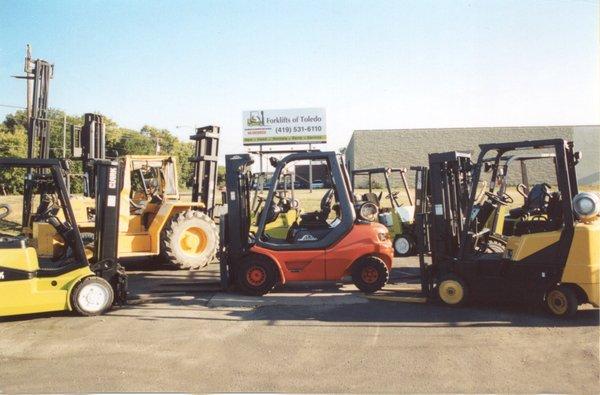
(452,290)
(92,296)
(561,301)
(370,274)
(404,245)
(256,276)
(190,240)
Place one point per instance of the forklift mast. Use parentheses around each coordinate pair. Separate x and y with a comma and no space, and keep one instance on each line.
(235,224)
(105,263)
(39,124)
(38,128)
(89,144)
(442,197)
(107,205)
(206,156)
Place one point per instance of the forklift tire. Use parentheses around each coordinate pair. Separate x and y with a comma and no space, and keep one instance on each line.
(452,290)
(370,274)
(256,276)
(404,246)
(190,240)
(561,301)
(92,296)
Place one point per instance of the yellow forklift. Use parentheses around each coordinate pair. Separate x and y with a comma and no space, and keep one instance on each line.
(398,217)
(87,282)
(155,220)
(552,256)
(287,206)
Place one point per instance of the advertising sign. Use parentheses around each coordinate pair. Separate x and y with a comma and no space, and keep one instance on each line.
(291,126)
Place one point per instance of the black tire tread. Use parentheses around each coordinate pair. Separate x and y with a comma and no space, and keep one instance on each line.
(378,264)
(270,269)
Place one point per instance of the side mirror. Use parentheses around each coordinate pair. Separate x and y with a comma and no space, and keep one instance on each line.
(273,161)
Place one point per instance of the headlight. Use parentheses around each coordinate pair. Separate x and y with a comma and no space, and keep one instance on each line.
(383,236)
(368,211)
(586,205)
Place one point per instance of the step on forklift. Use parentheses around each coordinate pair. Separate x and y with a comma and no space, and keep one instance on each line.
(552,256)
(341,238)
(69,280)
(398,217)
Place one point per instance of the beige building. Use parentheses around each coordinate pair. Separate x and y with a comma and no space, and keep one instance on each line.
(407,147)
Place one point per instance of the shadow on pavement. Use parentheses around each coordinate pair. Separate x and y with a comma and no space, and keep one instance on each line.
(381,313)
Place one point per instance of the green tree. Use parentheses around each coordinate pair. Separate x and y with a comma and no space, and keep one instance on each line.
(119,141)
(12,144)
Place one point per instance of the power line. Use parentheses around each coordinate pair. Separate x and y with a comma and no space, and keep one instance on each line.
(11,106)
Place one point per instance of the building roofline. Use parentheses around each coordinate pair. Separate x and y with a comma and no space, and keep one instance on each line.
(474,128)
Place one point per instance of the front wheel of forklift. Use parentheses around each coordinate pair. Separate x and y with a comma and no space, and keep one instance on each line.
(370,274)
(452,290)
(256,276)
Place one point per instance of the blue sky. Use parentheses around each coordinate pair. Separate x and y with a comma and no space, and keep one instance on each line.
(371,64)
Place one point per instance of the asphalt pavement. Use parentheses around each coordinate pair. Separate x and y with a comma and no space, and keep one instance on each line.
(180,333)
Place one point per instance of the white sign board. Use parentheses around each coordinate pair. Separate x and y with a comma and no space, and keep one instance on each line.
(292,126)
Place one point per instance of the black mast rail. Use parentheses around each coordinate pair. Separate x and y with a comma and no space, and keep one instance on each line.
(205,160)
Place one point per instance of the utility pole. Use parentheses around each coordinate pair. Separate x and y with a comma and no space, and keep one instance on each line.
(64,155)
(29,74)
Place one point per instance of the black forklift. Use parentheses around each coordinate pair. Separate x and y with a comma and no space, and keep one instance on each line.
(551,257)
(71,279)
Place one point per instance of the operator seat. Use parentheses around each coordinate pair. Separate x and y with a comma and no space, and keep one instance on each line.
(313,226)
(536,201)
(545,209)
(318,219)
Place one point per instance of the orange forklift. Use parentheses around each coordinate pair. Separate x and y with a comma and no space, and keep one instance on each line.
(341,238)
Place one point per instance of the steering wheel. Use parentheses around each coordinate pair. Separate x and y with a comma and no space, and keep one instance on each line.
(5,211)
(326,202)
(507,198)
(523,190)
(495,198)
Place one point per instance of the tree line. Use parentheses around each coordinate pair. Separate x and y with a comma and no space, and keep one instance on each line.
(124,141)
